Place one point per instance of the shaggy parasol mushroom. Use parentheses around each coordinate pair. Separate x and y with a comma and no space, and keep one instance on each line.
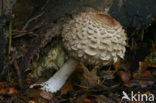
(93,38)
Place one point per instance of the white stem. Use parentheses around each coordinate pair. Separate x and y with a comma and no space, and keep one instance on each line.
(55,83)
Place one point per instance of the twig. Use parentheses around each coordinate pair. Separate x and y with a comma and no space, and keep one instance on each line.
(81,86)
(45,5)
(6,4)
(20,33)
(39,26)
(30,20)
(23,34)
(10,36)
(10,62)
(18,73)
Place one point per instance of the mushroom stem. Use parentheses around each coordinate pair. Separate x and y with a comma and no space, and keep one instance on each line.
(55,83)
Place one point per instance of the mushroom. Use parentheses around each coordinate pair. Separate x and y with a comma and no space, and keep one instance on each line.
(90,37)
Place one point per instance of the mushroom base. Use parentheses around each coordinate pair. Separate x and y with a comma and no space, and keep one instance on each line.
(56,82)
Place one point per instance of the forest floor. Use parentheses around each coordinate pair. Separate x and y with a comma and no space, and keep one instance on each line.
(28,47)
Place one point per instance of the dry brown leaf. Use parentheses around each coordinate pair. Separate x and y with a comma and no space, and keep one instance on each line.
(11,91)
(154,66)
(89,78)
(46,95)
(86,100)
(76,75)
(125,77)
(31,101)
(117,65)
(143,74)
(67,87)
(80,99)
(2,91)
(129,84)
(144,65)
(8,91)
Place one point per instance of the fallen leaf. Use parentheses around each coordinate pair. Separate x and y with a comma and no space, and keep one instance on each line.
(141,75)
(2,91)
(8,91)
(11,91)
(143,72)
(86,100)
(130,84)
(125,77)
(46,95)
(143,66)
(31,101)
(89,78)
(32,93)
(77,74)
(142,82)
(80,99)
(117,65)
(67,87)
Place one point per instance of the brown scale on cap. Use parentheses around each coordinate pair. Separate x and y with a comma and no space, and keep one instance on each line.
(94,38)
(106,19)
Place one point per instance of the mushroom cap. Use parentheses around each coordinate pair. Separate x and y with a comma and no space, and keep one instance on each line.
(94,38)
